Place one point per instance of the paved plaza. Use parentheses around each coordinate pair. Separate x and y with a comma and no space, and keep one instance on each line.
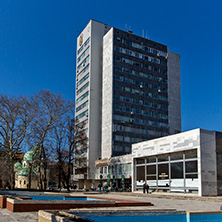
(160,201)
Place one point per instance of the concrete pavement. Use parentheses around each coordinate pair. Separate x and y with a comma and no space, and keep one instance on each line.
(161,201)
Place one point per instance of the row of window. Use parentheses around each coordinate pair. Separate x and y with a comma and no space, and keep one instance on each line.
(83,63)
(188,154)
(82,106)
(82,88)
(177,170)
(82,123)
(122,149)
(140,121)
(139,55)
(144,48)
(140,74)
(139,64)
(83,71)
(140,92)
(83,46)
(83,79)
(140,102)
(116,169)
(82,97)
(127,139)
(82,114)
(83,54)
(140,112)
(129,129)
(140,83)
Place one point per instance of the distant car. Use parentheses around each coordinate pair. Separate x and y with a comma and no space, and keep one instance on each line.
(52,187)
(73,186)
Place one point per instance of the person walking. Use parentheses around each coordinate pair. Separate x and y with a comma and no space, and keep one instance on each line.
(147,188)
(144,187)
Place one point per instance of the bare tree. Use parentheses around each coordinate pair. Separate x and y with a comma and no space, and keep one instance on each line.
(68,136)
(52,107)
(16,114)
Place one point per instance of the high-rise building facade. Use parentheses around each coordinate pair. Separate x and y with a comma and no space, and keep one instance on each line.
(138,101)
(127,91)
(88,97)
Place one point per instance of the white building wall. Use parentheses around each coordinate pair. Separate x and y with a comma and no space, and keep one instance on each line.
(95,30)
(168,144)
(107,95)
(95,94)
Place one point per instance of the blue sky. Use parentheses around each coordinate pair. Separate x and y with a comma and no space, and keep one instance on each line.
(38,46)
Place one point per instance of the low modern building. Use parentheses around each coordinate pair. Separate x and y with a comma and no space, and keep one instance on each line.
(188,162)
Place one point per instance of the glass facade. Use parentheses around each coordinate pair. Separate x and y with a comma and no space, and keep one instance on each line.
(172,172)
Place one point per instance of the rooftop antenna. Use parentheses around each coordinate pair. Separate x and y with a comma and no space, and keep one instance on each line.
(146,34)
(143,33)
(125,27)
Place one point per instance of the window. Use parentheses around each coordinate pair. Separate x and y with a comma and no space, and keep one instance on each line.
(82,97)
(82,88)
(189,154)
(163,171)
(176,156)
(139,55)
(83,71)
(82,114)
(82,106)
(83,54)
(163,157)
(83,79)
(176,170)
(191,167)
(140,172)
(84,45)
(140,161)
(83,63)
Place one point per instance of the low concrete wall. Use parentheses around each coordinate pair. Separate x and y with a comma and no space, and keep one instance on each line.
(35,205)
(55,216)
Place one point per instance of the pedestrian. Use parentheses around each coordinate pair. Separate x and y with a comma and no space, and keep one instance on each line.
(147,188)
(144,187)
(99,187)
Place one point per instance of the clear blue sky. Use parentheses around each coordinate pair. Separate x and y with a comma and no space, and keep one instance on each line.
(38,46)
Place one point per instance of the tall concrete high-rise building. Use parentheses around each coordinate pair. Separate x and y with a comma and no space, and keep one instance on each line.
(89,97)
(127,91)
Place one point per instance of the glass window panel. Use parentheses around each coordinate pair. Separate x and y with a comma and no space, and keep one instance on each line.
(192,176)
(151,159)
(176,156)
(191,166)
(151,169)
(190,154)
(176,170)
(163,157)
(140,171)
(140,161)
(151,177)
(163,171)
